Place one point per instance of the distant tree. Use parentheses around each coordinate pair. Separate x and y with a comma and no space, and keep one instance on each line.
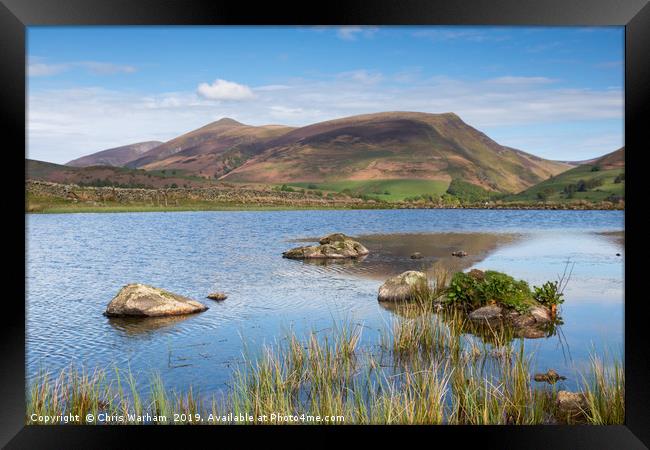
(569,190)
(595,168)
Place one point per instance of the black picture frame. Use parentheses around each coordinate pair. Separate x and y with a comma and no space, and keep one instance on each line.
(16,15)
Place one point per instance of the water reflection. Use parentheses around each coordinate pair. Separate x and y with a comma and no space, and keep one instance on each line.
(133,326)
(77,262)
(390,254)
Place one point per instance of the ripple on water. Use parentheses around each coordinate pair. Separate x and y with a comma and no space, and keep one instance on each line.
(76,263)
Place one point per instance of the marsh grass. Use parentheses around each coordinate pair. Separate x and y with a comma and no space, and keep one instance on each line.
(604,391)
(426,369)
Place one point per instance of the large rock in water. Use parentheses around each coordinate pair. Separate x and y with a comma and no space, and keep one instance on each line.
(487,314)
(402,287)
(334,246)
(141,300)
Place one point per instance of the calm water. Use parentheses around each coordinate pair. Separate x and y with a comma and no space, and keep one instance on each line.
(76,263)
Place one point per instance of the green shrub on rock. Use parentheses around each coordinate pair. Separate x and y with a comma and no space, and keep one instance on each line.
(548,294)
(477,288)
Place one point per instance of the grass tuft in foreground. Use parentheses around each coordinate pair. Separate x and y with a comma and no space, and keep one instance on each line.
(424,370)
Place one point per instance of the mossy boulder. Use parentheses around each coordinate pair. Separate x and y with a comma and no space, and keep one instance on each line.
(141,300)
(334,246)
(403,287)
(494,298)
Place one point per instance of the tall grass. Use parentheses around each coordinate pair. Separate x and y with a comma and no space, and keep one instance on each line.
(426,370)
(604,391)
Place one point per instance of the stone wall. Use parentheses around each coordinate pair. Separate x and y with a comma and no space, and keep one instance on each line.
(232,195)
(179,196)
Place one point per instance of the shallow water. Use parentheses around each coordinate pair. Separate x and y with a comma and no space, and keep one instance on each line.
(76,263)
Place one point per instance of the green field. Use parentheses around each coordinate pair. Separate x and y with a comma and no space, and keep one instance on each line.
(553,189)
(389,190)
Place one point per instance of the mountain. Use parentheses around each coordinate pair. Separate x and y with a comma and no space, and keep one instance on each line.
(210,151)
(599,179)
(118,156)
(106,176)
(406,146)
(393,155)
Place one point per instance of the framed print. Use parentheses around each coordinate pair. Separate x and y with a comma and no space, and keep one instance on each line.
(389,218)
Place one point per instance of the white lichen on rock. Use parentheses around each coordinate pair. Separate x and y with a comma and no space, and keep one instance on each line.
(141,300)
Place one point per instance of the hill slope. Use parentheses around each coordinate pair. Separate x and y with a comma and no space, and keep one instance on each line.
(118,156)
(599,179)
(106,176)
(210,151)
(394,146)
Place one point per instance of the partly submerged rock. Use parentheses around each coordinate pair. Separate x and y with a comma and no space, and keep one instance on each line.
(334,246)
(218,296)
(334,237)
(571,406)
(416,255)
(532,324)
(541,314)
(551,377)
(141,300)
(402,287)
(489,314)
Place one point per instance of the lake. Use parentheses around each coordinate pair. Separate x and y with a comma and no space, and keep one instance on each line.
(76,263)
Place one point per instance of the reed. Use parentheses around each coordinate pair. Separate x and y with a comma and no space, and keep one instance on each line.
(604,391)
(427,371)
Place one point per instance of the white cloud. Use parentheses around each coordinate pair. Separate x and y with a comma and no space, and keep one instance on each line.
(38,68)
(448,34)
(362,76)
(102,68)
(521,80)
(225,90)
(67,123)
(272,87)
(45,70)
(351,33)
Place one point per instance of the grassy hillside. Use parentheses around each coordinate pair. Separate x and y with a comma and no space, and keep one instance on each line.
(395,146)
(602,179)
(210,151)
(100,176)
(402,153)
(118,156)
(389,190)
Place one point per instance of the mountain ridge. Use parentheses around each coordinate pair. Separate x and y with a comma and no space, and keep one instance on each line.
(394,145)
(116,156)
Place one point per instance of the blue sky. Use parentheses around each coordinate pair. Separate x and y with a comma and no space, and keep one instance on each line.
(554,92)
